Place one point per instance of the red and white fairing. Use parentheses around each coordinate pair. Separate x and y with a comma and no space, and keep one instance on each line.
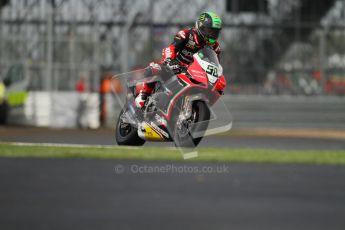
(204,72)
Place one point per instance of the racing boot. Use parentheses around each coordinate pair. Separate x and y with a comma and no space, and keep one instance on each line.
(141,99)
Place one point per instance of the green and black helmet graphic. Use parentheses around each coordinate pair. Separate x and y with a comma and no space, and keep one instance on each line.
(208,26)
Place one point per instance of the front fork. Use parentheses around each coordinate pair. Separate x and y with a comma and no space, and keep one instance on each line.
(186,112)
(187,108)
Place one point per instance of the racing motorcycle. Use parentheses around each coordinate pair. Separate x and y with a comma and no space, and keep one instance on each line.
(179,109)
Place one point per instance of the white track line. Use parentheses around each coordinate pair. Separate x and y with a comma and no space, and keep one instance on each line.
(78,145)
(68,145)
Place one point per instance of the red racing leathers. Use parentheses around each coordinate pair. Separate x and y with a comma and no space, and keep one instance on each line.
(186,43)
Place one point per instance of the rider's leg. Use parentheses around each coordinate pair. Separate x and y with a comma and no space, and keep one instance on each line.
(145,91)
(147,87)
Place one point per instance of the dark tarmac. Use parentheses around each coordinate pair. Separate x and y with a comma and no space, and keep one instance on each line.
(111,194)
(114,194)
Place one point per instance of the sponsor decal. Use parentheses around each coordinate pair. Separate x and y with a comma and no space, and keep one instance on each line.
(150,133)
(191,44)
(159,130)
(197,71)
(213,72)
(161,120)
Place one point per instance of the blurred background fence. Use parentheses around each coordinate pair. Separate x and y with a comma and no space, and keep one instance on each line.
(269,46)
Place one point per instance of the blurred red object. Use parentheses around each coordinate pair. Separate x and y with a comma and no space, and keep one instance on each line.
(80,85)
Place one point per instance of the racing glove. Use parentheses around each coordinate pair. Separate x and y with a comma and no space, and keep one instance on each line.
(172,65)
(152,70)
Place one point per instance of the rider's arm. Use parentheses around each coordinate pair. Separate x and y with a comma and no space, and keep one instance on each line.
(221,83)
(180,40)
(216,48)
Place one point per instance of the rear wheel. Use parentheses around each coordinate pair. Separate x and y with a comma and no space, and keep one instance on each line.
(198,122)
(126,134)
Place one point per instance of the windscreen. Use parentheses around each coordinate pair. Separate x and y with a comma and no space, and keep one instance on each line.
(209,55)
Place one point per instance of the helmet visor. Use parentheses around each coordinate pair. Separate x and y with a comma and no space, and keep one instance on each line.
(210,33)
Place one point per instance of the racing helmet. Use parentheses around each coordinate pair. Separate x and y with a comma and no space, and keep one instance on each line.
(208,27)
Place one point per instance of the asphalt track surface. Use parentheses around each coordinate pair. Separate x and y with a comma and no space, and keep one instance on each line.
(117,194)
(106,137)
(112,194)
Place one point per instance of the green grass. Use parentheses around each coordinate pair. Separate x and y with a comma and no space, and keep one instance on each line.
(329,157)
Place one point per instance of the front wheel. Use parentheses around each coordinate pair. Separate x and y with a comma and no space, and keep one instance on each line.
(198,122)
(126,134)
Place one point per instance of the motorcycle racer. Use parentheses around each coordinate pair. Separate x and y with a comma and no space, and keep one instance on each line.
(180,52)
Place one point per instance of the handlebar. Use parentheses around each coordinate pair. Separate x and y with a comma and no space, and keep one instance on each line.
(182,68)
